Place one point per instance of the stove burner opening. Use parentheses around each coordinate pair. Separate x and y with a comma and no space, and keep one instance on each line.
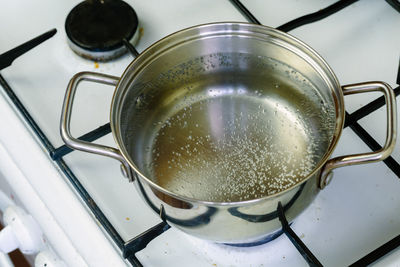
(96,29)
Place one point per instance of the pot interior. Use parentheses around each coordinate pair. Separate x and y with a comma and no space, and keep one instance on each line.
(226,118)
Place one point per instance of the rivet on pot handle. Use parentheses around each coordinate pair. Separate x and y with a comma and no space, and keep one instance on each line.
(66,116)
(390,132)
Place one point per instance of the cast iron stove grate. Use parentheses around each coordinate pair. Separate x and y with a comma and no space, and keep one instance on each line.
(138,243)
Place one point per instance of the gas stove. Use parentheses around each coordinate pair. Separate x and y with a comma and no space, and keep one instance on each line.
(90,215)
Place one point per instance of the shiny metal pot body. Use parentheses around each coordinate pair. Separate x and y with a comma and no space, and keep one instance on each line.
(229,58)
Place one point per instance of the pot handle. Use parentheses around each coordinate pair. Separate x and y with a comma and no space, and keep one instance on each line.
(385,151)
(66,116)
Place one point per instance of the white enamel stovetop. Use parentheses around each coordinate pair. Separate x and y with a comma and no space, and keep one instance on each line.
(354,215)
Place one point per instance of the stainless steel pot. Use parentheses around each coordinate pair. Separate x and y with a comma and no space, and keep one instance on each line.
(219,123)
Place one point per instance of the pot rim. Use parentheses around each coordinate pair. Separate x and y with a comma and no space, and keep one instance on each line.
(189,34)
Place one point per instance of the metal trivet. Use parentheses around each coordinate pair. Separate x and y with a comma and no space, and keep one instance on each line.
(138,243)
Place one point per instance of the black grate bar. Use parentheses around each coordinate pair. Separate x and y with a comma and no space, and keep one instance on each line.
(321,14)
(66,170)
(89,137)
(140,242)
(373,145)
(296,241)
(130,48)
(398,74)
(91,204)
(25,114)
(378,253)
(7,58)
(245,12)
(134,261)
(368,108)
(395,4)
(306,19)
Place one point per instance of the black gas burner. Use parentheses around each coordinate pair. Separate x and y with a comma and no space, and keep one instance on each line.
(97,29)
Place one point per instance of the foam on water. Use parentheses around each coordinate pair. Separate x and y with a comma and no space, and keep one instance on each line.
(236,143)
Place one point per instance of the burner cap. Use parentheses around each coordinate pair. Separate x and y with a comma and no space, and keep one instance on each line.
(96,28)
